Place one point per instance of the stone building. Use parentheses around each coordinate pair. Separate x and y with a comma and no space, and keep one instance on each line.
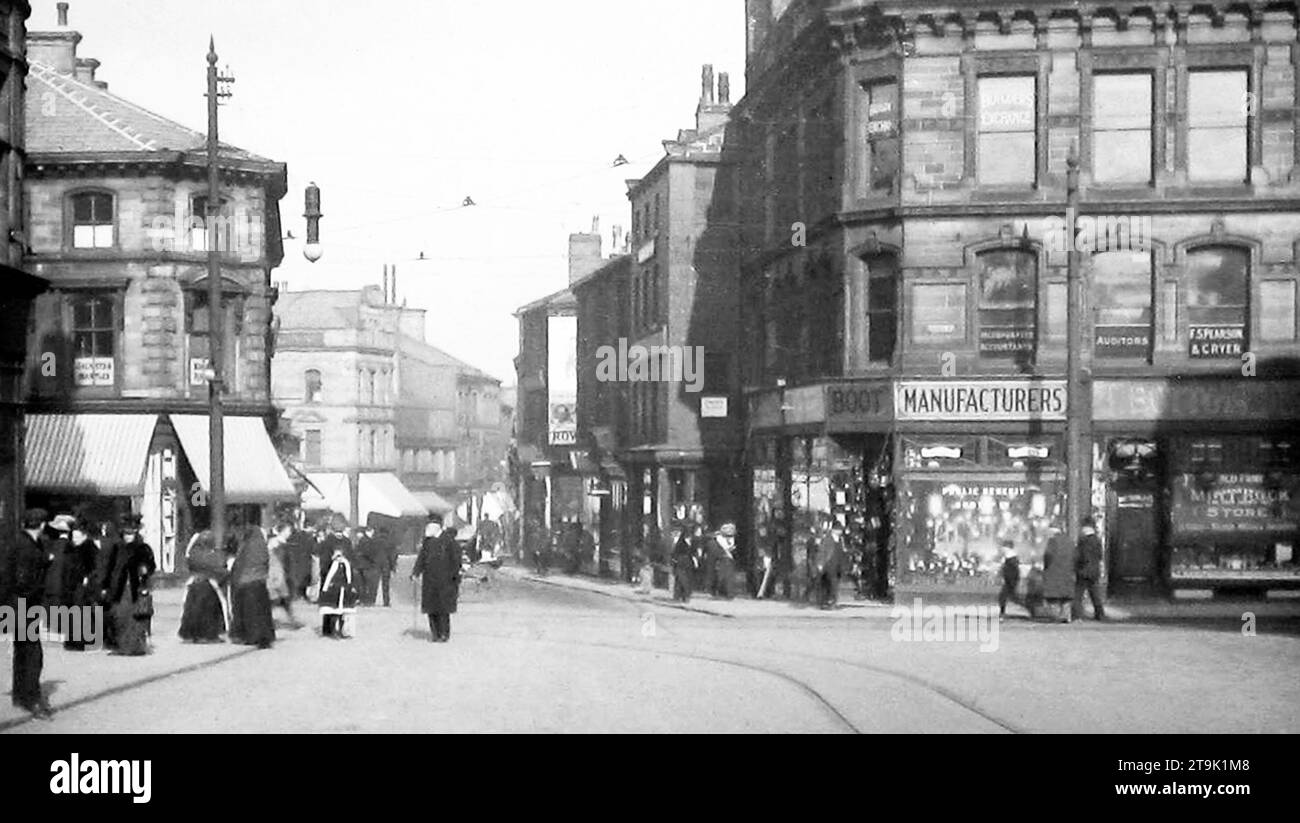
(904,243)
(116,199)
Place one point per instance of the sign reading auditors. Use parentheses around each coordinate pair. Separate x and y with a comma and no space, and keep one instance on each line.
(980,400)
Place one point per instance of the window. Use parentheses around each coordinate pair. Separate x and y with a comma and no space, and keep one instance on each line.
(880,166)
(311,390)
(311,449)
(1121,128)
(1218,283)
(92,221)
(1008,280)
(1122,293)
(882,307)
(93,339)
(1007,140)
(1217,126)
(938,312)
(199,222)
(1277,310)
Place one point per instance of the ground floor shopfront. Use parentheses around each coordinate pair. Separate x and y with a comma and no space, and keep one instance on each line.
(102,466)
(1192,488)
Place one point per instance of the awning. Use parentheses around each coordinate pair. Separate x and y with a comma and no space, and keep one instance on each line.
(378,493)
(254,473)
(433,501)
(93,454)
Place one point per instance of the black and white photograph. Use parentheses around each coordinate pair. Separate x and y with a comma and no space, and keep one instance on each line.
(898,367)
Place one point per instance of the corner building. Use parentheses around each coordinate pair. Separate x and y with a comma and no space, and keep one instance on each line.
(904,253)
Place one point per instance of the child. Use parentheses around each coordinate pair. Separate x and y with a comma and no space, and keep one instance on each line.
(338,595)
(1010,577)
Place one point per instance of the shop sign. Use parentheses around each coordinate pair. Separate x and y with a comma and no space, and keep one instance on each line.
(849,404)
(983,400)
(1150,400)
(93,371)
(713,407)
(1215,342)
(1222,503)
(1122,341)
(1006,341)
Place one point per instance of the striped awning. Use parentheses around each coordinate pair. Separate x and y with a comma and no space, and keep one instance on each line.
(253,471)
(378,493)
(98,455)
(434,502)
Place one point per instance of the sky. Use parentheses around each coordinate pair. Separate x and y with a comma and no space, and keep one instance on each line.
(400,109)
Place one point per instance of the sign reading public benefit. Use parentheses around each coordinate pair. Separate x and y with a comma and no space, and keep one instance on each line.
(562,380)
(980,400)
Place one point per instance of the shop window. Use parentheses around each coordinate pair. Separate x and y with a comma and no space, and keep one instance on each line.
(881,141)
(312,386)
(1122,114)
(1008,281)
(1206,454)
(882,307)
(1218,280)
(1217,126)
(1277,310)
(1122,296)
(938,313)
(311,447)
(94,333)
(1007,139)
(92,221)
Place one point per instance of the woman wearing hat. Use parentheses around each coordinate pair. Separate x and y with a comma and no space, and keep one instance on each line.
(131,565)
(78,571)
(203,618)
(250,603)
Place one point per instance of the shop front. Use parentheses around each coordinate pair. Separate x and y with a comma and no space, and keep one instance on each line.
(1203,483)
(980,467)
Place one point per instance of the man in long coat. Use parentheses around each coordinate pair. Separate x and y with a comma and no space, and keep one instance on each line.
(1087,571)
(22,578)
(438,566)
(385,563)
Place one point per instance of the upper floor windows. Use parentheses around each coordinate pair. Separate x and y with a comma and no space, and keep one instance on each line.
(203,226)
(92,220)
(880,126)
(94,337)
(1007,139)
(1123,295)
(1122,115)
(1217,126)
(1008,304)
(312,386)
(1218,290)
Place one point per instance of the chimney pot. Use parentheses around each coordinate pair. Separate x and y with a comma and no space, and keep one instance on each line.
(63,14)
(595,225)
(706,84)
(724,88)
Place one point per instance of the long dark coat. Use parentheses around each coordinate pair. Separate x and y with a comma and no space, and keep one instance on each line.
(78,572)
(438,566)
(1058,569)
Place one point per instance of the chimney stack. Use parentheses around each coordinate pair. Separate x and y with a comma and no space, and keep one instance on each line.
(616,242)
(392,284)
(85,70)
(585,254)
(724,89)
(706,85)
(386,300)
(63,14)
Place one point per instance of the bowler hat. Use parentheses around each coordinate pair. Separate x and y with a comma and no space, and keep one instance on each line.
(63,523)
(35,518)
(130,521)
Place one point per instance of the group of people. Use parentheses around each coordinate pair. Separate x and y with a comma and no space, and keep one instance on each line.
(73,563)
(1059,581)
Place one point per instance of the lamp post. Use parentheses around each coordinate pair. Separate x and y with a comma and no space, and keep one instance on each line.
(1078,448)
(218,89)
(312,251)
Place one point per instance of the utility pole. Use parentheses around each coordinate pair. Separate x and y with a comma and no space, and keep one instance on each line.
(1078,439)
(216,312)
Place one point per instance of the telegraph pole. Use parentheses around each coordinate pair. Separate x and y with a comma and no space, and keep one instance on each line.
(1078,446)
(216,313)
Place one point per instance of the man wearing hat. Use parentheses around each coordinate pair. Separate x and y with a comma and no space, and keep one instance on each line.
(22,573)
(58,535)
(1010,576)
(830,559)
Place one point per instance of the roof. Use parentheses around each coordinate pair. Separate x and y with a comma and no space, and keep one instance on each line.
(607,268)
(419,350)
(92,120)
(562,299)
(318,309)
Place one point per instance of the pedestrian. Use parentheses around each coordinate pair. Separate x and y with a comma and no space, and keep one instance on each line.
(131,568)
(251,623)
(277,575)
(302,545)
(205,615)
(78,571)
(759,562)
(1010,577)
(58,535)
(23,568)
(683,563)
(385,563)
(338,594)
(723,551)
(1058,577)
(830,562)
(336,537)
(1087,571)
(439,567)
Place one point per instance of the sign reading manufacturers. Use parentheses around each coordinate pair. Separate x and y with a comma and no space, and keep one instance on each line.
(983,400)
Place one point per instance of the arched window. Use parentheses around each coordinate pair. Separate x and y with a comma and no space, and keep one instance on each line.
(1008,303)
(312,386)
(1218,302)
(1122,291)
(92,220)
(93,339)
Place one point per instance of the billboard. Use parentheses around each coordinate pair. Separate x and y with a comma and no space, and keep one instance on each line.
(562,380)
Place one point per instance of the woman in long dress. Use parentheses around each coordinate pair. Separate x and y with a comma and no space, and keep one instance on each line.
(131,567)
(277,577)
(78,572)
(251,623)
(338,594)
(204,617)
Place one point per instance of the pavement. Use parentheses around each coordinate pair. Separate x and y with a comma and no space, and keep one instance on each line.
(580,655)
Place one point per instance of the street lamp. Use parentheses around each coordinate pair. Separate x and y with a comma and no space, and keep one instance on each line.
(312,251)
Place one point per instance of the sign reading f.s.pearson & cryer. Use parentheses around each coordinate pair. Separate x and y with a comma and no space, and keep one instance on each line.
(946,400)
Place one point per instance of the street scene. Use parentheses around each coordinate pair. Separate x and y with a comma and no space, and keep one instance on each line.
(793,366)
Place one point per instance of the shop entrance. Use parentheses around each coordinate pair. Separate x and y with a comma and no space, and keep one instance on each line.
(1133,516)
